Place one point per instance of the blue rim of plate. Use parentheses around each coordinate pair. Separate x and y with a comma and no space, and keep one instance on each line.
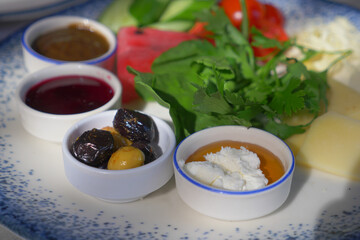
(23,216)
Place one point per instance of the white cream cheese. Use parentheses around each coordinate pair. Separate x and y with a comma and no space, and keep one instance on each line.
(230,168)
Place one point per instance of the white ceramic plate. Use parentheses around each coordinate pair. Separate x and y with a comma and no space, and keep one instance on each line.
(15,10)
(37,202)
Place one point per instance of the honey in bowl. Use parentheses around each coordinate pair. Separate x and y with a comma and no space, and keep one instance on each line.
(77,42)
(270,164)
(68,94)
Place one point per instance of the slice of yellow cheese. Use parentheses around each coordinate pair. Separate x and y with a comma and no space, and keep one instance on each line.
(295,142)
(332,144)
(342,99)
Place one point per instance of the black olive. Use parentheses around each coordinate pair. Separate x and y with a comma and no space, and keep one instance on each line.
(135,126)
(151,151)
(103,165)
(93,147)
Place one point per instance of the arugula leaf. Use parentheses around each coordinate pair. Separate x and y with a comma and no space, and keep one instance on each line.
(213,103)
(178,59)
(147,11)
(144,87)
(215,18)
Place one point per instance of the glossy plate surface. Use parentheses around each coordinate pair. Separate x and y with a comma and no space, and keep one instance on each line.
(15,10)
(37,202)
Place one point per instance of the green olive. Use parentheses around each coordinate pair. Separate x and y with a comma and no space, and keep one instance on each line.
(125,158)
(119,140)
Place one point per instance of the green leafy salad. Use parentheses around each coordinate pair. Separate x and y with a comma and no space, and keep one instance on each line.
(205,84)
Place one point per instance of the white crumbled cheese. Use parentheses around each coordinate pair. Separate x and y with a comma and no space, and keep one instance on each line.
(338,35)
(230,168)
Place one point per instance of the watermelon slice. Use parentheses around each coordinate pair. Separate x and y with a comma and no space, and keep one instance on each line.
(138,48)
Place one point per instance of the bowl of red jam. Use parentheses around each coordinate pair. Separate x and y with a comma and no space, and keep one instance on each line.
(51,100)
(64,39)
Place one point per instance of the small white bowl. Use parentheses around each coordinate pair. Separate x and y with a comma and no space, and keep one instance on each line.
(35,61)
(118,185)
(52,127)
(233,205)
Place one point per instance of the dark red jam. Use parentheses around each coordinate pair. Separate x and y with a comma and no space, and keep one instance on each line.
(69,95)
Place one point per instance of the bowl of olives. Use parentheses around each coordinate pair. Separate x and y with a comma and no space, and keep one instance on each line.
(119,155)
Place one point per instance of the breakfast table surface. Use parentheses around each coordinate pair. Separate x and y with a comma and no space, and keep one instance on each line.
(304,179)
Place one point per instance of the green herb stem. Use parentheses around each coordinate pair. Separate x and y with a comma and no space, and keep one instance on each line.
(245,20)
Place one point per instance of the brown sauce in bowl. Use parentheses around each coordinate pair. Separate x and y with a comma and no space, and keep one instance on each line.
(270,164)
(76,42)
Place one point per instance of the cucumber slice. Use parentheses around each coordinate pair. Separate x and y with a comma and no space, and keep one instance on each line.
(178,25)
(175,8)
(117,15)
(185,9)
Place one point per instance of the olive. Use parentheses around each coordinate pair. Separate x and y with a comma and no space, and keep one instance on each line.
(125,158)
(119,141)
(93,147)
(151,151)
(135,126)
(103,165)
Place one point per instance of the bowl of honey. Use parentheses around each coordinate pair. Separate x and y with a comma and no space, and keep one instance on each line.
(52,99)
(63,39)
(233,173)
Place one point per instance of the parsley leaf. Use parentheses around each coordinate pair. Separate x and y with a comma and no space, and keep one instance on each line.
(288,99)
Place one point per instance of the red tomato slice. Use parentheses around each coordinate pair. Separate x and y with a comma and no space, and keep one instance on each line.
(199,30)
(232,9)
(267,18)
(274,31)
(273,15)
